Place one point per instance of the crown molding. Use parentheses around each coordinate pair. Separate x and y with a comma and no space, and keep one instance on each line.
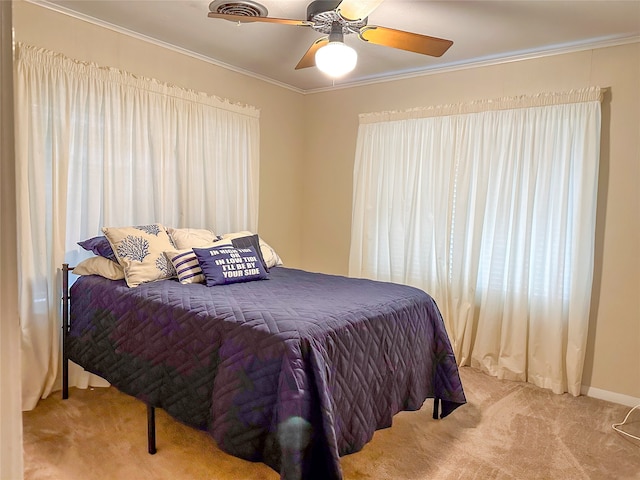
(154,41)
(490,61)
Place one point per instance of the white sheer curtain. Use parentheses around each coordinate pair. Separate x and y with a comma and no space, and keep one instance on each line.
(490,207)
(101,147)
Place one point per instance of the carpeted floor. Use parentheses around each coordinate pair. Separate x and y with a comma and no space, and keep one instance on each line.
(507,431)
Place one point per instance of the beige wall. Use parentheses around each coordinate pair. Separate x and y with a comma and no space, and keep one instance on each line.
(308,147)
(613,355)
(11,461)
(281,131)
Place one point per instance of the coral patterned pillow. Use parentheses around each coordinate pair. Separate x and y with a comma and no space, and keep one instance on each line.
(140,250)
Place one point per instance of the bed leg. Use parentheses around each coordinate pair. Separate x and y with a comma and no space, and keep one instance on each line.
(436,405)
(151,429)
(65,330)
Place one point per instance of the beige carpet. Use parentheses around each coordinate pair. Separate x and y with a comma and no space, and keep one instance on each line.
(506,431)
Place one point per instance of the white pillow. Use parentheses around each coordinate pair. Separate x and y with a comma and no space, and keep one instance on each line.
(191,237)
(270,256)
(139,251)
(99,266)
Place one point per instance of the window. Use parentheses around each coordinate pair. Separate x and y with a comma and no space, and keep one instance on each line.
(490,208)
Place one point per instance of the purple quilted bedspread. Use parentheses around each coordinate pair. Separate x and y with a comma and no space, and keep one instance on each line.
(293,371)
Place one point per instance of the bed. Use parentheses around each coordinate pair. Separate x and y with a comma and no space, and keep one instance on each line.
(293,371)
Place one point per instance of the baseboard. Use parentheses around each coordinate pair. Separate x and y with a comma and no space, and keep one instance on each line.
(614,397)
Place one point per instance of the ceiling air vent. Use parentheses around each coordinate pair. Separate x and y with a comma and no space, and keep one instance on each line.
(245,8)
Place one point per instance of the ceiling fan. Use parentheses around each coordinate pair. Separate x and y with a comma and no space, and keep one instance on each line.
(334,18)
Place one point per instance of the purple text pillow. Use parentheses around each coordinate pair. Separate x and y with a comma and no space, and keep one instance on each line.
(226,264)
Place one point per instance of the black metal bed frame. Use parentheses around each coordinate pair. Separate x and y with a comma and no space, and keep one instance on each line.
(151,411)
(66,298)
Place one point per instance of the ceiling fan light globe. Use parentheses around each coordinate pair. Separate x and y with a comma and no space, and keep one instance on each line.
(336,59)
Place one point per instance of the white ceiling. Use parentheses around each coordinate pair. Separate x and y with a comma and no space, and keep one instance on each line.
(482,31)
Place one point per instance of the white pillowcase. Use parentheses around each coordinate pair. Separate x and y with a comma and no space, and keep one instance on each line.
(191,237)
(99,266)
(270,256)
(139,251)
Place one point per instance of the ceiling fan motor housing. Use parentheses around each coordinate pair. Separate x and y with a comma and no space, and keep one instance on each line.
(324,16)
(321,6)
